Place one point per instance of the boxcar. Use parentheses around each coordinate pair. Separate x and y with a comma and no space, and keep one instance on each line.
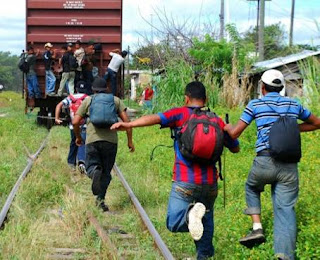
(63,21)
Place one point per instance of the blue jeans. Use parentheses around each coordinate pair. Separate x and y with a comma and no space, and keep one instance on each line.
(101,154)
(77,152)
(284,181)
(113,78)
(50,81)
(182,197)
(33,86)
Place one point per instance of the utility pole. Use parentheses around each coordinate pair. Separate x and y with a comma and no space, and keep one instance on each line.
(291,23)
(260,27)
(261,31)
(128,70)
(221,20)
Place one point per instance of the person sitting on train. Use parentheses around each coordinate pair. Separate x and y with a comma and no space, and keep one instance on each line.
(48,58)
(32,80)
(79,55)
(68,73)
(116,61)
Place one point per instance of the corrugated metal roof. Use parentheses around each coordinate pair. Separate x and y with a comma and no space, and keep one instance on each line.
(280,61)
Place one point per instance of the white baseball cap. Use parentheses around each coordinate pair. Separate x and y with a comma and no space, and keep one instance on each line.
(269,76)
(48,44)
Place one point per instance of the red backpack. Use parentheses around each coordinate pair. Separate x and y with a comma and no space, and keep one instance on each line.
(75,104)
(201,138)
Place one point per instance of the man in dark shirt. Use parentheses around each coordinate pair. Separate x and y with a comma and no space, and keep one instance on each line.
(68,74)
(32,80)
(48,57)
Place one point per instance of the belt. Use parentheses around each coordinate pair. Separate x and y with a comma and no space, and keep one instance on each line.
(264,153)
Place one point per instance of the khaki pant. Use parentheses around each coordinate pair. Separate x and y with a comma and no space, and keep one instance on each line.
(67,76)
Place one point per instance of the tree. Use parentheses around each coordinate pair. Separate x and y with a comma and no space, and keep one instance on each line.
(274,40)
(10,76)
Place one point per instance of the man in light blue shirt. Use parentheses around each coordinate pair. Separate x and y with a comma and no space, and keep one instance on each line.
(282,176)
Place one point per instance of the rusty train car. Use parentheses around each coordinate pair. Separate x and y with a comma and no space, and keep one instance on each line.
(64,21)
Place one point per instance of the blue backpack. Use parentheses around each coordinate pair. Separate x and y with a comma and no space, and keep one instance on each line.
(103,111)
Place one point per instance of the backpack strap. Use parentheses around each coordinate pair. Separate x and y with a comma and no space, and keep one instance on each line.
(73,99)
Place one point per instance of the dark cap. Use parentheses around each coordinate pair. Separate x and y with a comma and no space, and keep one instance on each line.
(70,44)
(99,84)
(82,87)
(78,42)
(29,48)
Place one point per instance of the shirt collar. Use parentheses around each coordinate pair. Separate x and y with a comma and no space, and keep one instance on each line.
(273,94)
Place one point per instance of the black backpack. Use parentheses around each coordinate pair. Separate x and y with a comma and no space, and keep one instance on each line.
(23,65)
(73,62)
(103,112)
(201,138)
(285,140)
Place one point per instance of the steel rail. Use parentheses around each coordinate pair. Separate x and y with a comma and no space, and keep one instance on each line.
(144,216)
(31,160)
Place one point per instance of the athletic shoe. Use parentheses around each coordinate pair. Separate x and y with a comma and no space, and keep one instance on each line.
(254,238)
(195,216)
(82,168)
(96,184)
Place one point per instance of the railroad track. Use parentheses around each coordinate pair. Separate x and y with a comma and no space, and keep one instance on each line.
(101,230)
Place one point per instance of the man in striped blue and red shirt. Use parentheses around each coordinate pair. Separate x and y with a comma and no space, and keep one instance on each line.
(194,187)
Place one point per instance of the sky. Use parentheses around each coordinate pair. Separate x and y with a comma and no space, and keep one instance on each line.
(137,12)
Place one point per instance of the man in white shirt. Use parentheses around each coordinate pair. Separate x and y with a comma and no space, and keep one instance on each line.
(113,67)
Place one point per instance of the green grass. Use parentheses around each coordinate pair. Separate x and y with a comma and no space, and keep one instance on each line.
(151,182)
(17,132)
(50,209)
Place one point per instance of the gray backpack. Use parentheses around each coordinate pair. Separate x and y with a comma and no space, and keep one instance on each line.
(103,112)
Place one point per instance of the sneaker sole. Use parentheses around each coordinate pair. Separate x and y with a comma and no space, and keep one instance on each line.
(96,183)
(82,170)
(254,241)
(195,221)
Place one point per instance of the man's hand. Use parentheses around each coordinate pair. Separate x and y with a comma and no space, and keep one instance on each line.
(79,141)
(120,126)
(227,128)
(131,147)
(58,121)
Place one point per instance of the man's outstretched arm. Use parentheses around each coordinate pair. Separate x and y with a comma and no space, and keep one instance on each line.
(235,131)
(311,124)
(123,115)
(147,120)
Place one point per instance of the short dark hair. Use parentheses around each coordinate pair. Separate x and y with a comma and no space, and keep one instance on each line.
(124,53)
(64,47)
(29,48)
(197,90)
(272,88)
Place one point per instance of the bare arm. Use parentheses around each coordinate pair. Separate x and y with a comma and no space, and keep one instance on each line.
(57,113)
(311,124)
(235,131)
(147,120)
(76,129)
(123,115)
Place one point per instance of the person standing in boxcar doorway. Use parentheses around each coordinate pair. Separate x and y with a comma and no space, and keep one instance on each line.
(117,60)
(48,58)
(68,69)
(32,80)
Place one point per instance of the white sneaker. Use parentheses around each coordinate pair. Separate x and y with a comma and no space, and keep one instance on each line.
(195,220)
(82,168)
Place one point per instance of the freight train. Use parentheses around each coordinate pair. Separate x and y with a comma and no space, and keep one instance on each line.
(67,21)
